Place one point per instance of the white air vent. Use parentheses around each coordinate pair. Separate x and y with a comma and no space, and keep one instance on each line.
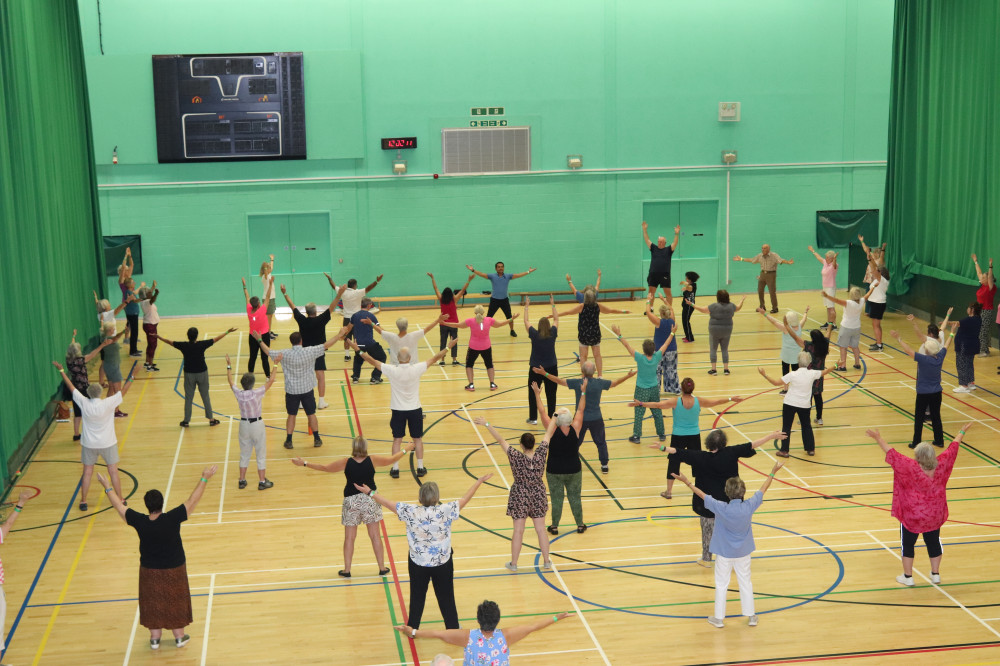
(485,150)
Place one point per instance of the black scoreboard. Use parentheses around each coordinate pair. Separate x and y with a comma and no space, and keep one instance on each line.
(229,107)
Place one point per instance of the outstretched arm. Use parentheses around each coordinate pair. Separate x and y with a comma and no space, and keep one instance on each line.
(457,637)
(199,489)
(606,310)
(778,464)
(839,301)
(330,280)
(763,373)
(527,319)
(713,402)
(22,497)
(879,439)
(479,273)
(428,327)
(618,332)
(621,380)
(435,285)
(793,333)
(576,309)
(223,334)
(770,437)
(364,355)
(816,254)
(479,420)
(572,287)
(521,275)
(62,373)
(246,294)
(472,490)
(498,324)
(442,353)
(543,413)
(340,336)
(645,233)
(461,292)
(379,499)
(518,632)
(670,338)
(906,348)
(113,499)
(541,371)
(774,322)
(677,237)
(740,306)
(373,284)
(288,299)
(578,416)
(653,319)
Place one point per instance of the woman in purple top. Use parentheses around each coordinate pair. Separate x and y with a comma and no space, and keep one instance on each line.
(928,386)
(488,645)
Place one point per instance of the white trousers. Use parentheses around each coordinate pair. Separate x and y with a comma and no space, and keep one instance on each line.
(253,439)
(724,567)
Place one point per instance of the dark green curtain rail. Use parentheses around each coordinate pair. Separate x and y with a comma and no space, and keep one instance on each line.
(942,196)
(49,227)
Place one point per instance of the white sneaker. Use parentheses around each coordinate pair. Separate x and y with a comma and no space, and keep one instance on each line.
(752,621)
(510,566)
(322,404)
(960,389)
(971,387)
(716,622)
(708,564)
(818,421)
(935,578)
(903,580)
(983,354)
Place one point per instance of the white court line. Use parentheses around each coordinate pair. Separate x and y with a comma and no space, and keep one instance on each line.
(937,587)
(428,343)
(166,494)
(225,469)
(760,448)
(480,436)
(208,620)
(586,625)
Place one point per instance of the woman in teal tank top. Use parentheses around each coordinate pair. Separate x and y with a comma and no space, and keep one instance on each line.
(686,433)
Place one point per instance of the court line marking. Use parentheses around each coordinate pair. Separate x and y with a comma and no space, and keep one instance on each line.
(576,608)
(487,448)
(935,586)
(86,537)
(428,343)
(722,415)
(225,469)
(208,620)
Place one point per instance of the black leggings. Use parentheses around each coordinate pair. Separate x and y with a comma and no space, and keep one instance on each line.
(818,404)
(448,332)
(265,362)
(788,414)
(788,367)
(133,333)
(550,392)
(928,402)
(931,539)
(686,312)
(692,442)
(443,577)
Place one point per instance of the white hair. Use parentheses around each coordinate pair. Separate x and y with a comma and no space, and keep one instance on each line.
(402,324)
(805,358)
(403,355)
(442,660)
(793,318)
(563,417)
(932,346)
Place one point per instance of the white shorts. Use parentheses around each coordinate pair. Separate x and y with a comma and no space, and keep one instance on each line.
(829,291)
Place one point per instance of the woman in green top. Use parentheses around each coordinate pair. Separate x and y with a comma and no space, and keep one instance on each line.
(647,385)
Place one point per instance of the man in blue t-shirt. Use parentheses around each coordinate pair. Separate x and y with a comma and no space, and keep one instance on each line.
(498,297)
(364,336)
(593,419)
(660,255)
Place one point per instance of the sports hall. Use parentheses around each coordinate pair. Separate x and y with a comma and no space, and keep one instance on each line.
(380,142)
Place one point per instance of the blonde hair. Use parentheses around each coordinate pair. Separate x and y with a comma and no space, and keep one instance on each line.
(926,458)
(830,254)
(480,312)
(793,318)
(664,312)
(359,448)
(104,304)
(589,295)
(265,268)
(108,329)
(856,294)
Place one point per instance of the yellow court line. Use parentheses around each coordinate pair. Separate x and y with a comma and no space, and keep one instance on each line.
(681,526)
(83,543)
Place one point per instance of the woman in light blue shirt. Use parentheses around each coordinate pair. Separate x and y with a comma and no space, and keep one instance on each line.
(732,541)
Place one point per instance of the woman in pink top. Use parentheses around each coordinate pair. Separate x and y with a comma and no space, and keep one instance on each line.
(919,499)
(986,294)
(257,314)
(829,274)
(479,342)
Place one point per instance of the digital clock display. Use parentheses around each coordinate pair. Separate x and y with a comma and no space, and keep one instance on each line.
(399,143)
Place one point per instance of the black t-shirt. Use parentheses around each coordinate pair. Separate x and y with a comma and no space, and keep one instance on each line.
(690,292)
(543,350)
(660,259)
(711,470)
(564,452)
(361,473)
(194,354)
(160,544)
(313,329)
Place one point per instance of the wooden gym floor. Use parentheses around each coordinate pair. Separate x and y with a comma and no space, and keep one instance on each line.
(263,565)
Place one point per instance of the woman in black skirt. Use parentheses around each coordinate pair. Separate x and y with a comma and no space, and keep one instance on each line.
(164,595)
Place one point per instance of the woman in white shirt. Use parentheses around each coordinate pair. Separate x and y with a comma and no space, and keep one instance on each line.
(428,532)
(876,306)
(850,325)
(150,319)
(798,402)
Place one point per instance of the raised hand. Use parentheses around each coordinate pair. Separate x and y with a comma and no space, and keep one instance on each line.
(209,471)
(479,420)
(58,365)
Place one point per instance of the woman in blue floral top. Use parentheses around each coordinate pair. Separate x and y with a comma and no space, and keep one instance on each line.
(428,531)
(487,645)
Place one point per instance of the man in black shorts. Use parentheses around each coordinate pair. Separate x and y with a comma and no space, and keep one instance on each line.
(299,366)
(313,329)
(659,263)
(498,296)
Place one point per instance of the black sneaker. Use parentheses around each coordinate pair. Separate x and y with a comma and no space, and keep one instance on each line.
(288,443)
(136,354)
(152,366)
(421,471)
(317,442)
(394,473)
(265,484)
(912,445)
(243,484)
(513,333)
(604,469)
(875,347)
(634,439)
(376,381)
(857,366)
(712,372)
(774,310)
(355,380)
(726,371)
(825,325)
(440,362)
(455,361)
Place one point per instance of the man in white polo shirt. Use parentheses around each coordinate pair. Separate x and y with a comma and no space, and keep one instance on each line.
(351,303)
(402,338)
(404,399)
(97,434)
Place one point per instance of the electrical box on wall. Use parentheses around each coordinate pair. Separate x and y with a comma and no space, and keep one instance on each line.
(729,112)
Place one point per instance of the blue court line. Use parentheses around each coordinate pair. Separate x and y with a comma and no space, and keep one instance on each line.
(41,568)
(504,574)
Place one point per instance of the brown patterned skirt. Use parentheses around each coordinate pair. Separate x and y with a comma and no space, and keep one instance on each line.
(164,598)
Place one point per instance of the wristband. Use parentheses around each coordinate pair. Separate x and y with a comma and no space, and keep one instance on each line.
(619,337)
(107,490)
(413,634)
(555,618)
(204,480)
(487,424)
(17,509)
(662,447)
(771,475)
(961,432)
(305,463)
(229,367)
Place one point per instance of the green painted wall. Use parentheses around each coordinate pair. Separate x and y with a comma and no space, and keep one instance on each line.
(625,84)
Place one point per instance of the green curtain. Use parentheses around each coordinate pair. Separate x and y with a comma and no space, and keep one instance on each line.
(942,195)
(49,227)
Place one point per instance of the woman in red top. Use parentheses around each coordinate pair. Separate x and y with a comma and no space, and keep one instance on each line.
(919,499)
(447,300)
(986,294)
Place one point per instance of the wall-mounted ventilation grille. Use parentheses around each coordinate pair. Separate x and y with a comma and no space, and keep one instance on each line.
(485,150)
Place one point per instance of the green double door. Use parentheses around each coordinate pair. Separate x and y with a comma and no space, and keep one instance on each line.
(698,248)
(300,243)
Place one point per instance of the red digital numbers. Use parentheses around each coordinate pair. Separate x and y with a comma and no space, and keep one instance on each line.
(399,143)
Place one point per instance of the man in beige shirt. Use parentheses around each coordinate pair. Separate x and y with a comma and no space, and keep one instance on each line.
(768,270)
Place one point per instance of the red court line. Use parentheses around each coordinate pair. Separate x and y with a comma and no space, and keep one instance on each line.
(864,655)
(385,535)
(816,492)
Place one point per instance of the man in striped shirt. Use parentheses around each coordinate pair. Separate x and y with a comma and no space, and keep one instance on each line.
(299,364)
(253,435)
